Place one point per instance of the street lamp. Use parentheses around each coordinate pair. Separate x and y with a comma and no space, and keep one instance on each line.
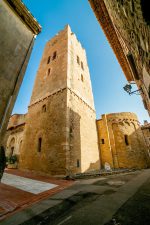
(128,88)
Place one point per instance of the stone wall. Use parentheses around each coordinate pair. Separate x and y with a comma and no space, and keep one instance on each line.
(146,132)
(122,143)
(16,44)
(128,31)
(61,114)
(14,134)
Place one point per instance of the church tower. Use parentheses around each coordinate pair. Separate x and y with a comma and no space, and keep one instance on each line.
(60,136)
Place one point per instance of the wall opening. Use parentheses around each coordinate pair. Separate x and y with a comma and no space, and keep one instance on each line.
(39,144)
(102,141)
(126,139)
(82,77)
(54,55)
(82,65)
(49,71)
(78,60)
(44,108)
(78,163)
(48,60)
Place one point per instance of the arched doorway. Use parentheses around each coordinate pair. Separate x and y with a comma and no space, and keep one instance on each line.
(11,146)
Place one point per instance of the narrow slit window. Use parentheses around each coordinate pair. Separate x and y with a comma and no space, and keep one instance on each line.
(49,71)
(82,65)
(102,141)
(48,60)
(39,144)
(54,55)
(78,60)
(78,163)
(82,77)
(44,108)
(126,139)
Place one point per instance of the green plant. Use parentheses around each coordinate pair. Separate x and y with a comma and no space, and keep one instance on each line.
(12,159)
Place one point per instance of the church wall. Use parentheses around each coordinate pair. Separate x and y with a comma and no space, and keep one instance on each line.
(50,126)
(128,146)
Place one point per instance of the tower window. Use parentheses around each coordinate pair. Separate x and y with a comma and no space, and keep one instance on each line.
(82,77)
(82,65)
(126,139)
(39,144)
(48,60)
(49,71)
(102,141)
(149,91)
(78,60)
(54,55)
(44,108)
(78,163)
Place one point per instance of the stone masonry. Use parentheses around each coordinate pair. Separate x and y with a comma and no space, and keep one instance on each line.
(126,25)
(18,29)
(60,136)
(121,140)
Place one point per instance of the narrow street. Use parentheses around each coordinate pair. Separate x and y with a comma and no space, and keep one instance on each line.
(116,194)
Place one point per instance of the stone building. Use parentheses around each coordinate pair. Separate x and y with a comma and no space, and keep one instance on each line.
(18,29)
(146,131)
(126,25)
(14,134)
(121,141)
(60,135)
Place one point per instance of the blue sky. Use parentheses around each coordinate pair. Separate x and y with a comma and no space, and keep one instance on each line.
(106,74)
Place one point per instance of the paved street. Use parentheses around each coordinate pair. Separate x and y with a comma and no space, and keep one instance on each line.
(118,199)
(105,197)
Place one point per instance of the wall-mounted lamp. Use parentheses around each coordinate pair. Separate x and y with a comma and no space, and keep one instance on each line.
(128,89)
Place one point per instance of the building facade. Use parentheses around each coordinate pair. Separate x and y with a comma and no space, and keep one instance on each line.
(146,131)
(18,28)
(60,136)
(126,25)
(14,134)
(121,140)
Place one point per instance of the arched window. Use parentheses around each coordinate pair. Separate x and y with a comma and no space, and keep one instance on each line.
(12,146)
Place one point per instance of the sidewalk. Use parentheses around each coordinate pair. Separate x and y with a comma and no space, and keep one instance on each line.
(116,193)
(20,189)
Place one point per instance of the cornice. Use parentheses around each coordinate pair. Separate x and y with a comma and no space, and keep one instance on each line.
(24,14)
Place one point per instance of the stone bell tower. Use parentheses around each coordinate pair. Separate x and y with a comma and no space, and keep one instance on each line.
(60,136)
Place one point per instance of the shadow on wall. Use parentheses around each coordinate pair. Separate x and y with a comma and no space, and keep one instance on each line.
(73,153)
